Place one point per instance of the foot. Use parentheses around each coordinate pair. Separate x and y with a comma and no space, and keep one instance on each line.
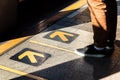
(90,51)
(110,48)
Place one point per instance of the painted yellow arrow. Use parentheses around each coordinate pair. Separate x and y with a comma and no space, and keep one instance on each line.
(31,56)
(61,35)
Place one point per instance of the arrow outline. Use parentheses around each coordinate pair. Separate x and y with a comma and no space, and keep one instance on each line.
(57,38)
(31,56)
(62,35)
(25,60)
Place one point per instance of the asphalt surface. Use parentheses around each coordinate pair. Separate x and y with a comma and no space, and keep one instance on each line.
(52,53)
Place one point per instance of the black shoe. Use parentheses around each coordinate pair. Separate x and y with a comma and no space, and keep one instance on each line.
(90,51)
(110,48)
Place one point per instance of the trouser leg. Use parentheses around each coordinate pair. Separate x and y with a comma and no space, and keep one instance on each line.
(111,19)
(104,20)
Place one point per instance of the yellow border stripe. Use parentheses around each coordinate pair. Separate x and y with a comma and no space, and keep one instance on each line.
(75,5)
(21,73)
(9,44)
(43,44)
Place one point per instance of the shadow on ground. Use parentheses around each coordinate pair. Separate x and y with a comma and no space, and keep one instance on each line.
(30,13)
(82,68)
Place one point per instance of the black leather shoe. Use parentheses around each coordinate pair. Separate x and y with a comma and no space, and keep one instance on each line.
(110,48)
(90,51)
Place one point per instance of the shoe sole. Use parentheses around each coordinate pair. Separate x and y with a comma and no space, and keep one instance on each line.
(87,55)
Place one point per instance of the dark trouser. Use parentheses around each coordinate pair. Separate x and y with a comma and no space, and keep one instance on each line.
(104,20)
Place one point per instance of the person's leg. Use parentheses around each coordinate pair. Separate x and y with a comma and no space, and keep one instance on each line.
(99,17)
(104,21)
(98,11)
(111,21)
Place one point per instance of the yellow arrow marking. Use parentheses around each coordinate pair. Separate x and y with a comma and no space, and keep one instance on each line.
(61,35)
(21,73)
(30,55)
(9,44)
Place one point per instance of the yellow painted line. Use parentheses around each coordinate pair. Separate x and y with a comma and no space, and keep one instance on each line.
(21,73)
(75,5)
(43,44)
(10,44)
